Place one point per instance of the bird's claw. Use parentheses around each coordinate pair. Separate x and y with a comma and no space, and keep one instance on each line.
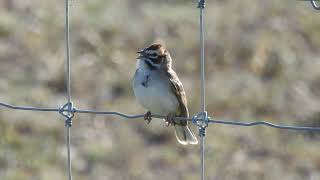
(147,117)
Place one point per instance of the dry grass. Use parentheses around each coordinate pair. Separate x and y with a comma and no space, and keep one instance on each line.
(262,63)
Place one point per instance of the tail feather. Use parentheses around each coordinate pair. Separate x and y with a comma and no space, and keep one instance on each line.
(184,135)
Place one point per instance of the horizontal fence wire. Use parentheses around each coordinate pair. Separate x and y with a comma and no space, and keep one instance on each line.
(139,116)
(25,108)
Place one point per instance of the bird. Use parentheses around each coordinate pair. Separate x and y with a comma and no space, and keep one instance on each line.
(158,89)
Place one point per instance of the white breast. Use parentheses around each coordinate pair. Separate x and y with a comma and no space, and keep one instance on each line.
(156,95)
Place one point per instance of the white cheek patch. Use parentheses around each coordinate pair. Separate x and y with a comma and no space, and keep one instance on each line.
(153,56)
(152,63)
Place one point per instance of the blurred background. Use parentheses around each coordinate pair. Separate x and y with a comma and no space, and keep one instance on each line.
(262,63)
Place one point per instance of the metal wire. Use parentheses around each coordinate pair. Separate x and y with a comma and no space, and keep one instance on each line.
(201,5)
(67,41)
(28,108)
(69,104)
(68,152)
(139,116)
(202,130)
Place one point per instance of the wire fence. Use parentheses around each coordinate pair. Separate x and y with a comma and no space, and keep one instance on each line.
(202,120)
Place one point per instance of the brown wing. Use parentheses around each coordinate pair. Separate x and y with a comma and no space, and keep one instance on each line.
(178,90)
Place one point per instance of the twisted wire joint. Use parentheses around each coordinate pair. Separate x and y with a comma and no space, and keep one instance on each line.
(68,112)
(201,4)
(202,121)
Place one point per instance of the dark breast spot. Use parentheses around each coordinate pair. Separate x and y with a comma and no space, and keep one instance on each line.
(146,81)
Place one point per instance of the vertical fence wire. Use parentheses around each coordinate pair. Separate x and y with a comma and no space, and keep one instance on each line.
(68,78)
(68,153)
(67,41)
(202,74)
(201,4)
(202,156)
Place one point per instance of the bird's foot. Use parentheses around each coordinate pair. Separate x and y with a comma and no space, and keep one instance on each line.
(169,119)
(147,117)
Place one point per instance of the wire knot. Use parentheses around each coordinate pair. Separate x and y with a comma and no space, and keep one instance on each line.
(201,4)
(202,132)
(201,120)
(68,112)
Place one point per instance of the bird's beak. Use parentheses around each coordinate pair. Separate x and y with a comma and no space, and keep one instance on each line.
(141,54)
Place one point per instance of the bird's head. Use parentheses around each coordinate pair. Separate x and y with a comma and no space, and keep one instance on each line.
(155,56)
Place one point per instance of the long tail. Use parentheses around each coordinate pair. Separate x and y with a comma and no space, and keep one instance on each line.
(184,135)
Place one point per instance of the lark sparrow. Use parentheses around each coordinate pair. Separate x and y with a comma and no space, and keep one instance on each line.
(158,89)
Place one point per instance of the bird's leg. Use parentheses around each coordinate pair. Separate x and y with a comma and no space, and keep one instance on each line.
(169,119)
(147,117)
